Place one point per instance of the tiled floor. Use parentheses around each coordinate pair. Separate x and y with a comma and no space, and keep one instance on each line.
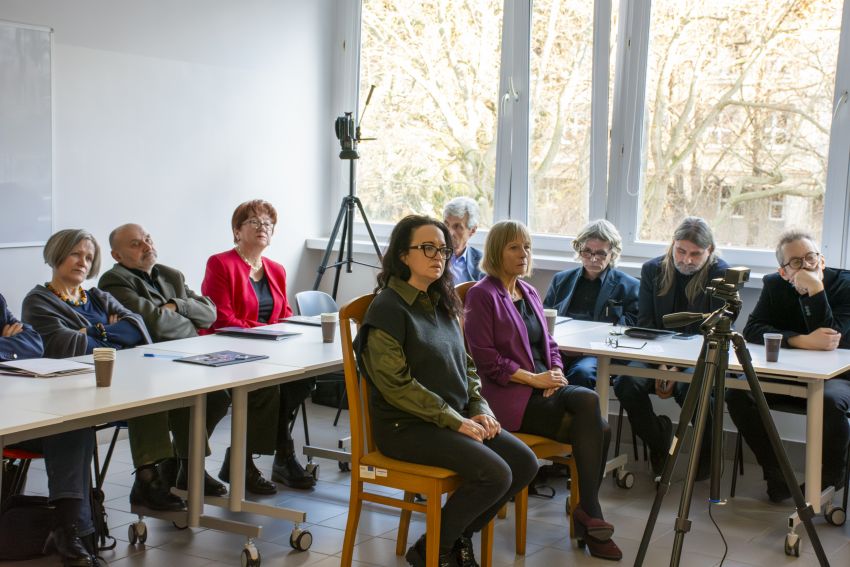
(753,528)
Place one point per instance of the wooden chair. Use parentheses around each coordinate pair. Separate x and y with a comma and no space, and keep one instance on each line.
(543,448)
(368,465)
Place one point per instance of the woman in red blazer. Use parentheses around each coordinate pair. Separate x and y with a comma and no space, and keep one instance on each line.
(249,291)
(522,374)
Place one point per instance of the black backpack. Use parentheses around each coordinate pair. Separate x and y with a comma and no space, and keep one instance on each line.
(25,523)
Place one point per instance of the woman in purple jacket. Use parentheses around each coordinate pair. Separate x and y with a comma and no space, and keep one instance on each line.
(522,374)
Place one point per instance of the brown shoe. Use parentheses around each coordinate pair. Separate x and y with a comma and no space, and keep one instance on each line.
(601,549)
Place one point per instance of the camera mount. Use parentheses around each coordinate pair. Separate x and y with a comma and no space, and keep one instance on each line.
(709,375)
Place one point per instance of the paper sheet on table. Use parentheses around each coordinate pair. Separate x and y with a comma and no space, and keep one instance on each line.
(44,367)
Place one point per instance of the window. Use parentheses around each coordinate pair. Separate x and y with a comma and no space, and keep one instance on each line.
(434,111)
(741,91)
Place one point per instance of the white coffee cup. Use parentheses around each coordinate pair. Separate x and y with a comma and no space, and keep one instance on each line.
(329,324)
(551,316)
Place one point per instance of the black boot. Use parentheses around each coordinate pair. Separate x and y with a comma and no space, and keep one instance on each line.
(254,481)
(212,487)
(464,553)
(416,556)
(287,470)
(65,541)
(151,492)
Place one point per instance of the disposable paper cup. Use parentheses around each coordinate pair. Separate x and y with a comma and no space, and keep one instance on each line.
(329,324)
(104,362)
(772,343)
(551,317)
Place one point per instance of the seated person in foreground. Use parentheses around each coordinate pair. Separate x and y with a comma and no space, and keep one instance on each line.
(73,321)
(426,403)
(67,460)
(671,283)
(520,367)
(460,215)
(809,304)
(594,292)
(249,290)
(171,311)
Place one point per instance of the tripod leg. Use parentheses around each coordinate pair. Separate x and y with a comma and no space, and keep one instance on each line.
(343,240)
(717,423)
(688,410)
(324,265)
(804,510)
(369,229)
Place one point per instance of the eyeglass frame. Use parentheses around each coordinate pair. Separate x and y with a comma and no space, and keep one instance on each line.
(446,251)
(258,224)
(589,254)
(803,261)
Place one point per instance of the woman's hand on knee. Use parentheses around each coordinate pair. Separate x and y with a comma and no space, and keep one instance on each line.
(473,430)
(489,423)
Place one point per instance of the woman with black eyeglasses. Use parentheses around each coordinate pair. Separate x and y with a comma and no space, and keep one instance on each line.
(249,290)
(426,403)
(596,291)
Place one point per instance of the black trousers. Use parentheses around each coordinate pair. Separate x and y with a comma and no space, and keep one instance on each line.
(492,471)
(572,415)
(836,431)
(270,411)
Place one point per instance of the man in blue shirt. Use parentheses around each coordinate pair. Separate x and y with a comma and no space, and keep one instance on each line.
(461,216)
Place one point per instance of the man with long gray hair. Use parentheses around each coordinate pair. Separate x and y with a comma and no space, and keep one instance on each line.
(671,283)
(461,216)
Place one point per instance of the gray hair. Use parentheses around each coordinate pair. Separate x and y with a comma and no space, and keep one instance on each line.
(60,245)
(460,207)
(789,236)
(600,229)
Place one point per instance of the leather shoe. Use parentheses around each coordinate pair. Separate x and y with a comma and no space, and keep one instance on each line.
(151,492)
(254,481)
(287,470)
(212,487)
(602,549)
(598,529)
(65,541)
(416,556)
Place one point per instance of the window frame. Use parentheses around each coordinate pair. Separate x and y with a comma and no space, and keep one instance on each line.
(615,156)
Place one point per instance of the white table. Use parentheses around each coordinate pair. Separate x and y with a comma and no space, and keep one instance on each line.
(140,386)
(798,373)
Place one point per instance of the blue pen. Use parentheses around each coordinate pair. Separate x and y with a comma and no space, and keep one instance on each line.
(152,355)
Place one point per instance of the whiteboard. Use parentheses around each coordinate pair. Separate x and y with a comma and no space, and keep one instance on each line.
(26,154)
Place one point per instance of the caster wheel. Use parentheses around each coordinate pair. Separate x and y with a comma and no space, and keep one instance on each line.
(300,539)
(836,516)
(625,480)
(792,545)
(313,470)
(180,526)
(250,556)
(344,467)
(137,533)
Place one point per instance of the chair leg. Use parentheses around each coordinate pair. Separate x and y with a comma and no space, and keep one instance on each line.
(574,494)
(521,508)
(432,528)
(342,396)
(404,526)
(736,462)
(487,545)
(503,512)
(352,523)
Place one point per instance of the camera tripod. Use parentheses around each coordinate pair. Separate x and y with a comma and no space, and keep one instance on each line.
(709,376)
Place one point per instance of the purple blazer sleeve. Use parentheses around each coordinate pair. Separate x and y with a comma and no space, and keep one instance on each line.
(482,317)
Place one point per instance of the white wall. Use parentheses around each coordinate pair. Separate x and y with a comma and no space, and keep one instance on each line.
(171,113)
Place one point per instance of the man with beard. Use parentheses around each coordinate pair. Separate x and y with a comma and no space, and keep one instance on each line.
(671,283)
(809,305)
(171,311)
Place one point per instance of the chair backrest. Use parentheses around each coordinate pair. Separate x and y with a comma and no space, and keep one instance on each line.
(315,302)
(356,387)
(462,288)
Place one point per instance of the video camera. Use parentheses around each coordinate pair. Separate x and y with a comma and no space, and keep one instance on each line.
(346,133)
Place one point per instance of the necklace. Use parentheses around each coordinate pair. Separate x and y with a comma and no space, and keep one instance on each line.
(68,299)
(256,266)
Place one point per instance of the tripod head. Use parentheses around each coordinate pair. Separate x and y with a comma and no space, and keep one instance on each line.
(727,289)
(348,134)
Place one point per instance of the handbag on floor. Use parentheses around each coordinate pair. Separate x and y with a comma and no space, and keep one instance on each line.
(24,526)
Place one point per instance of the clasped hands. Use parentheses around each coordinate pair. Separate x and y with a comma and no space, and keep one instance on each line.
(11,330)
(113,318)
(480,427)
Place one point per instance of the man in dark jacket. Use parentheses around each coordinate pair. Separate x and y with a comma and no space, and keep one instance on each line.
(809,304)
(671,283)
